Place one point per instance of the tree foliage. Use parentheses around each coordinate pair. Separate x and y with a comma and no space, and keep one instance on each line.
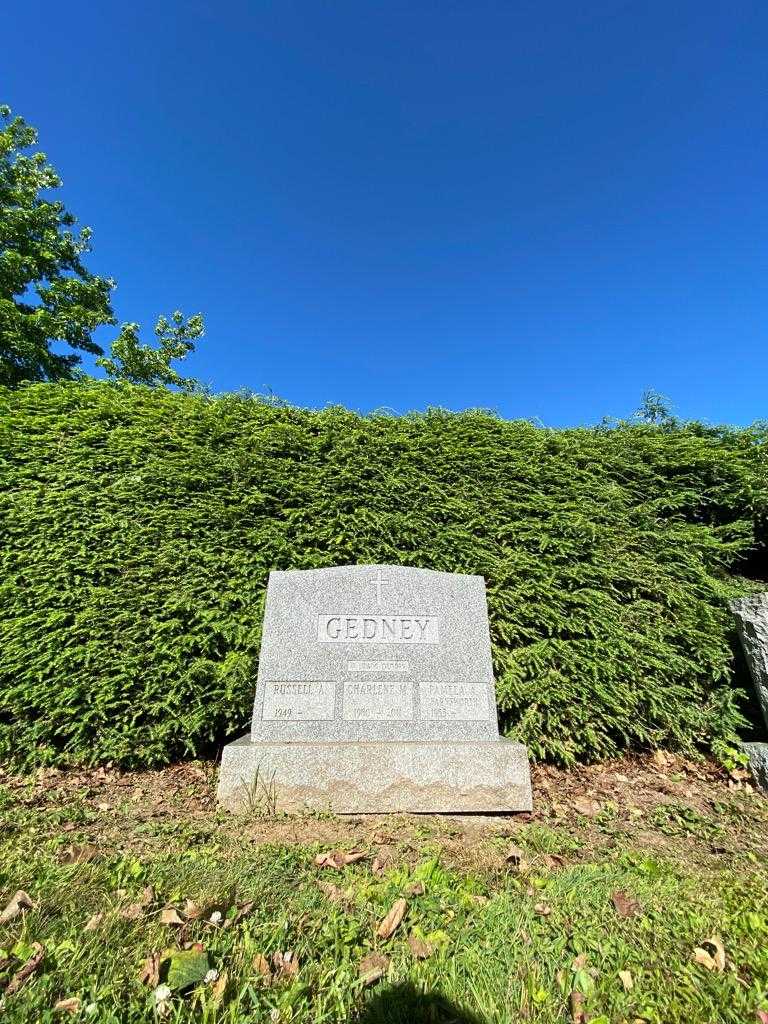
(48,296)
(138,527)
(46,293)
(132,362)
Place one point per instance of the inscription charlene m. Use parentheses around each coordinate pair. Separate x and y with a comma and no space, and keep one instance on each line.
(377,629)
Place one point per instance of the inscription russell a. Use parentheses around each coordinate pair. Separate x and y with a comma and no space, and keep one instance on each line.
(378,629)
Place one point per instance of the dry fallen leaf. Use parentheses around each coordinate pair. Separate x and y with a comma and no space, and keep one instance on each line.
(514,855)
(79,853)
(147,896)
(219,986)
(71,1005)
(150,973)
(24,973)
(712,958)
(243,910)
(553,861)
(589,808)
(543,909)
(170,916)
(335,894)
(373,967)
(18,904)
(626,905)
(415,889)
(132,912)
(420,949)
(338,858)
(578,1014)
(93,923)
(261,966)
(579,962)
(392,921)
(285,965)
(625,977)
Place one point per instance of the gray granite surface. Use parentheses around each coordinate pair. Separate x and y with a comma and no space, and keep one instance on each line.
(758,763)
(375,652)
(375,692)
(752,620)
(376,777)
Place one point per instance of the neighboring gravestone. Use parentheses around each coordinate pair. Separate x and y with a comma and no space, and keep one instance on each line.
(375,692)
(752,619)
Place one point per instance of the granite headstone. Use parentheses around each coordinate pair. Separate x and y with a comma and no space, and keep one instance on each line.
(375,692)
(752,619)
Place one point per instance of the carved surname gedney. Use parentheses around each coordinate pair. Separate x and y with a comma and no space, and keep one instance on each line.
(378,629)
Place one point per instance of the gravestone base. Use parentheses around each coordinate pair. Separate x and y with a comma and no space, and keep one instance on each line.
(417,776)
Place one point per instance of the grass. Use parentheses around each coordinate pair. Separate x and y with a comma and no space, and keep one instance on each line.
(505,944)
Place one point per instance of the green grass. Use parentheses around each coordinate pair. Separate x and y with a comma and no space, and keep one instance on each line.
(495,958)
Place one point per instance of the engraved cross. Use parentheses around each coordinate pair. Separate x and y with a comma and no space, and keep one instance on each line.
(378,583)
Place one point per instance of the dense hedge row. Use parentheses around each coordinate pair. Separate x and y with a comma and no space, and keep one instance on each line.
(137,528)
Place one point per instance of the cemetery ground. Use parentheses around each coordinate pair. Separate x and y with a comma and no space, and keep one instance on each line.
(635,891)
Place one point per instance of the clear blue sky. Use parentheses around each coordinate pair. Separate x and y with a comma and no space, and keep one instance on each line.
(541,208)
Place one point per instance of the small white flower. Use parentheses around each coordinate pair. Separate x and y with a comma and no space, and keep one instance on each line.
(211,976)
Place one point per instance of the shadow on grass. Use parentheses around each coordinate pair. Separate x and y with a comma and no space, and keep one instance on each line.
(405,1004)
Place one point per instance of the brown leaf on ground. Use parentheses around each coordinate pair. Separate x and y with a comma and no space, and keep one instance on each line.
(192,911)
(543,909)
(71,1005)
(219,986)
(381,838)
(392,921)
(373,967)
(243,910)
(19,903)
(625,977)
(553,861)
(415,889)
(284,965)
(150,972)
(338,858)
(132,912)
(578,1013)
(335,894)
(24,973)
(711,954)
(79,853)
(261,966)
(579,962)
(589,808)
(514,855)
(626,905)
(170,916)
(93,922)
(147,896)
(420,949)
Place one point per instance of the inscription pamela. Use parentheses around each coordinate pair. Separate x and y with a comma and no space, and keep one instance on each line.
(377,629)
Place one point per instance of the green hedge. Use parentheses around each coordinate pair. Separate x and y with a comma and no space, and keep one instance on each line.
(138,526)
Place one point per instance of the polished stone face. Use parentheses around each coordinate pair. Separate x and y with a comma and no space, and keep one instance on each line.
(375,653)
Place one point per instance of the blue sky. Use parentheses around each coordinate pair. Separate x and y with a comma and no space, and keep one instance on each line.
(541,208)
